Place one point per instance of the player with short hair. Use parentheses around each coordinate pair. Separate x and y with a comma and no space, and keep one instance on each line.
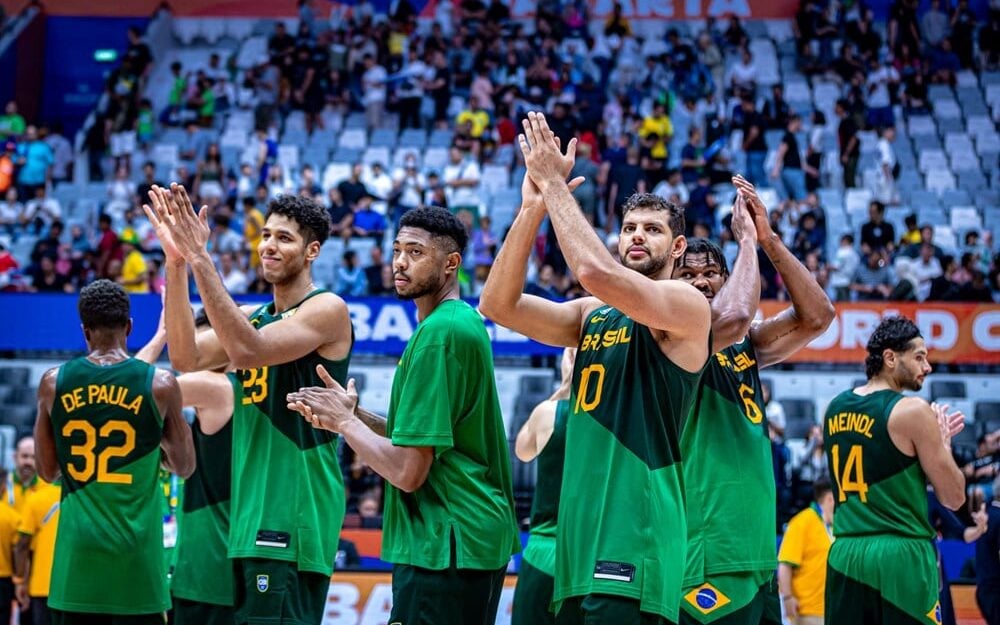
(449,523)
(543,436)
(103,420)
(882,447)
(643,341)
(728,470)
(282,555)
(201,585)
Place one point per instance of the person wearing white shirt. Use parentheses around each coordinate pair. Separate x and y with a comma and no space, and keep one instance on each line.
(672,186)
(62,150)
(410,90)
(844,265)
(373,91)
(885,190)
(743,75)
(461,180)
(925,269)
(233,278)
(409,185)
(379,185)
(42,209)
(879,103)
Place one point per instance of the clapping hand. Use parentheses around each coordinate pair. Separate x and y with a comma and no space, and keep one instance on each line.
(325,408)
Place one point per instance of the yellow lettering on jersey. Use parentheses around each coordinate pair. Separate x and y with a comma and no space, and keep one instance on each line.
(856,422)
(610,338)
(107,394)
(72,400)
(740,362)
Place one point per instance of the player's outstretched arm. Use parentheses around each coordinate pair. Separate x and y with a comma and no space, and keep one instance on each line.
(736,303)
(335,408)
(211,394)
(503,299)
(927,432)
(176,443)
(778,337)
(536,431)
(46,461)
(668,305)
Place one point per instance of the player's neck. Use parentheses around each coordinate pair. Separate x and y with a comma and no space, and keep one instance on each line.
(882,383)
(291,293)
(427,303)
(107,354)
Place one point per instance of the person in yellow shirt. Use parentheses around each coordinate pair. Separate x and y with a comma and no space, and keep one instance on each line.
(135,271)
(473,121)
(253,226)
(802,559)
(25,478)
(9,519)
(657,131)
(34,552)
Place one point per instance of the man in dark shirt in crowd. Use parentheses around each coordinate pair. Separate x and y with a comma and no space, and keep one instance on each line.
(877,235)
(850,146)
(352,189)
(753,141)
(988,562)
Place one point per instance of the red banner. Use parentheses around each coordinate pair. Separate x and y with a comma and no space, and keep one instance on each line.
(954,333)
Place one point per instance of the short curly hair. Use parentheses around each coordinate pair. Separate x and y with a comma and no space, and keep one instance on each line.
(313,220)
(697,246)
(651,201)
(440,223)
(895,333)
(104,304)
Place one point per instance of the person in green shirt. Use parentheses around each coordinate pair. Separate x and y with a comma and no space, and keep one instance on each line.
(12,124)
(882,448)
(643,341)
(449,523)
(728,470)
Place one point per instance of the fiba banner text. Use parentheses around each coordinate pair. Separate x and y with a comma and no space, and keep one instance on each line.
(954,333)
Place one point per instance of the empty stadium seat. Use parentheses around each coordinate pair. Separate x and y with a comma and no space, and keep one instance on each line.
(15,376)
(947,388)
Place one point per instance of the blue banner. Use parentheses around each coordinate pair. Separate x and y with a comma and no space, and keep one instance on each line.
(382,325)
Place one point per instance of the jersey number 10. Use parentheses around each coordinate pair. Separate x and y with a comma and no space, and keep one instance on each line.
(98,462)
(850,479)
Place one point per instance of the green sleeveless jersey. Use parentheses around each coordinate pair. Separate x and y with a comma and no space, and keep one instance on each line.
(203,572)
(622,527)
(541,548)
(288,498)
(728,471)
(877,488)
(109,551)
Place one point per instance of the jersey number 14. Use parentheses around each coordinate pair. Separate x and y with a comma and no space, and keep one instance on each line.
(851,477)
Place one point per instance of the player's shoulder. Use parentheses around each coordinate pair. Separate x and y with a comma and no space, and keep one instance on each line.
(911,407)
(325,303)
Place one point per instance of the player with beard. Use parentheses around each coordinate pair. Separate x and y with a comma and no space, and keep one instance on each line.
(449,507)
(282,554)
(882,448)
(643,341)
(728,471)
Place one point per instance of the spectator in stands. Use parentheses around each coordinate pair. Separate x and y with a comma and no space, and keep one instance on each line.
(944,64)
(735,35)
(808,238)
(48,246)
(743,75)
(352,190)
(777,110)
(877,234)
(802,558)
(934,25)
(277,182)
(617,24)
(12,124)
(367,222)
(885,185)
(8,268)
(222,239)
(673,188)
(753,141)
(988,562)
(881,79)
(351,278)
(11,213)
(544,284)
(872,281)
(977,290)
(843,268)
(438,85)
(903,26)
(233,277)
(926,236)
(210,174)
(368,510)
(484,248)
(410,90)
(912,234)
(788,162)
(134,275)
(62,152)
(925,269)
(34,161)
(963,28)
(378,274)
(45,278)
(989,43)
(981,250)
(461,180)
(985,467)
(41,210)
(864,35)
(281,45)
(586,194)
(373,85)
(774,412)
(379,185)
(8,151)
(656,132)
(712,58)
(849,144)
(307,182)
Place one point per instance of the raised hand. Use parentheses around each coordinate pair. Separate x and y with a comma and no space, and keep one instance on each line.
(950,424)
(190,230)
(326,408)
(756,207)
(543,157)
(159,215)
(743,226)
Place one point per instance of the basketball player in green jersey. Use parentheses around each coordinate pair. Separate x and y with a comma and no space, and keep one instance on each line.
(881,448)
(643,341)
(103,420)
(449,525)
(282,555)
(202,582)
(728,471)
(543,436)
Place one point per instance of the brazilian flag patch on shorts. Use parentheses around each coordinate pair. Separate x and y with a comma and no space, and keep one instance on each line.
(935,614)
(707,598)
